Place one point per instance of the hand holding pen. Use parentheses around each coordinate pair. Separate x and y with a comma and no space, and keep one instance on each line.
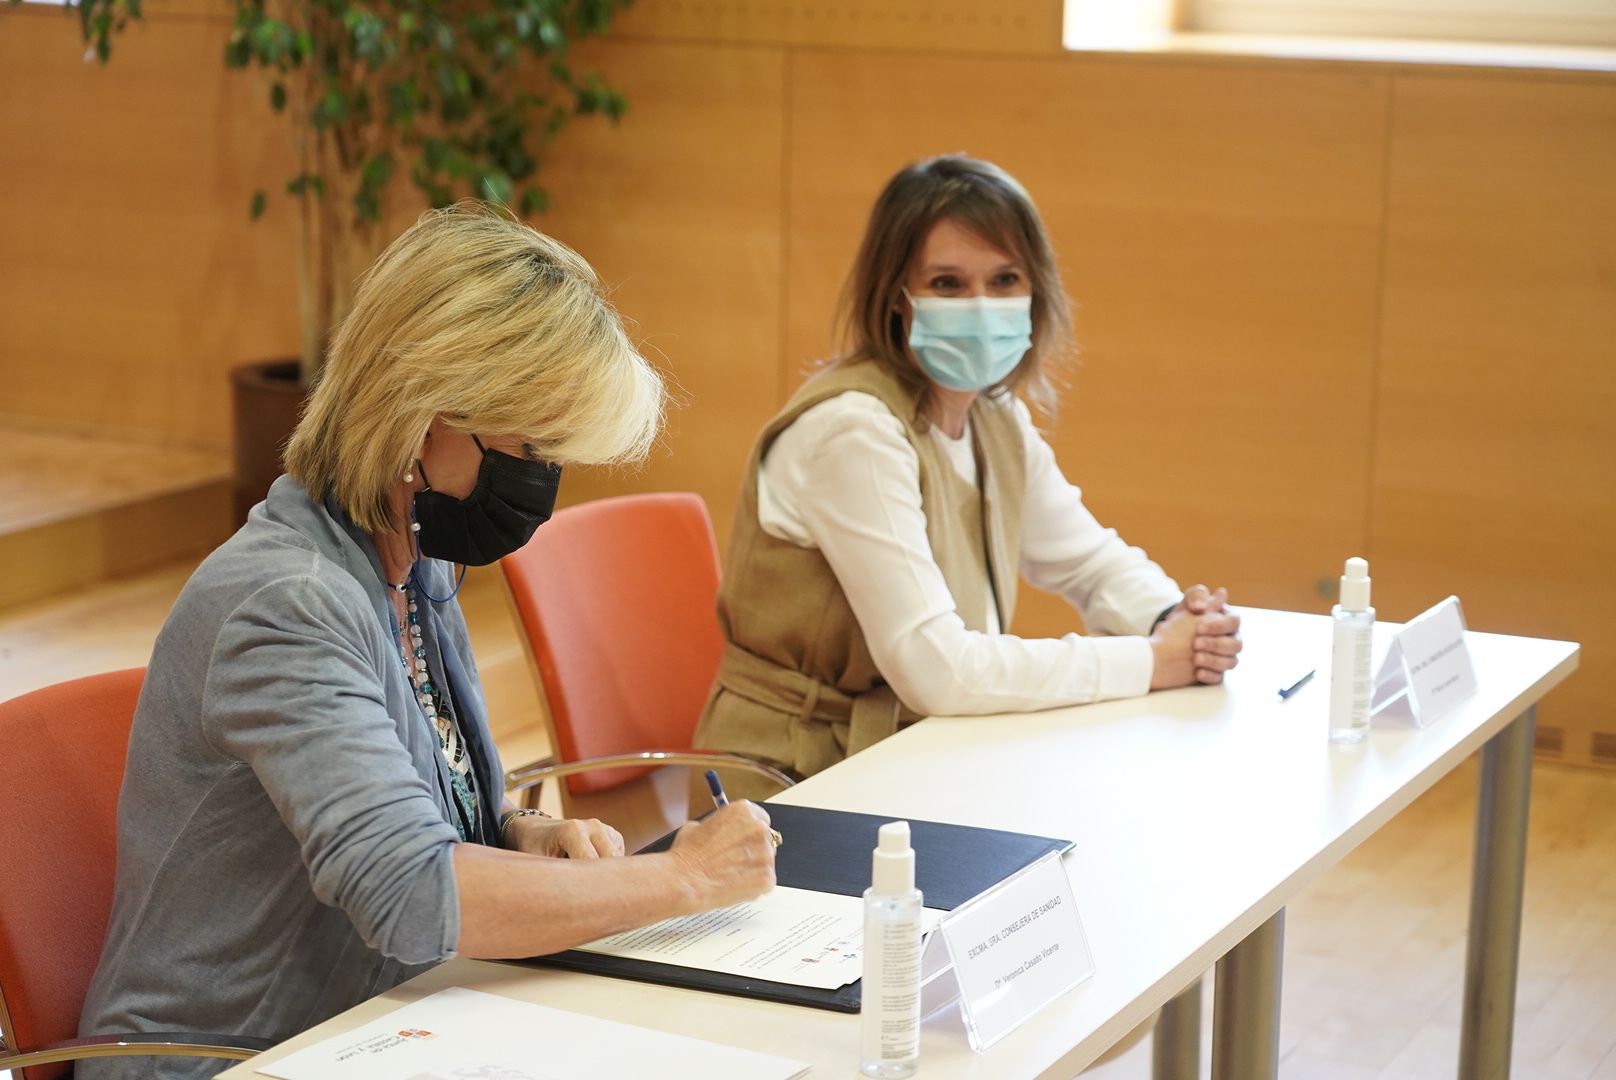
(728,856)
(721,800)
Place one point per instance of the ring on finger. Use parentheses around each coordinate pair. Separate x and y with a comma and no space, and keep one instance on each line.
(775,838)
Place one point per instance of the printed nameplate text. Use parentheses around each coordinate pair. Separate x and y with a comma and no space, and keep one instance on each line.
(1016,948)
(1427,669)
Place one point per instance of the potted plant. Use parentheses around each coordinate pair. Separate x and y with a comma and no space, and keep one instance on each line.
(458,96)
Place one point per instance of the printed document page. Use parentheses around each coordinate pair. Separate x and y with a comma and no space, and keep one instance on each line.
(792,936)
(460,1034)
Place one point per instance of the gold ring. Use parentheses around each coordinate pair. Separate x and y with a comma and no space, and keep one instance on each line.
(774,834)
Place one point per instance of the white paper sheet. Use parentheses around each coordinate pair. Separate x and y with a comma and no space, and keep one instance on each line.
(460,1034)
(787,935)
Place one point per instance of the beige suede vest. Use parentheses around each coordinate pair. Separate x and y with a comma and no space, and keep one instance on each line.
(797,686)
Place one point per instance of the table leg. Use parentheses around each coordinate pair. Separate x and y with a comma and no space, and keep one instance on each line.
(1175,1048)
(1496,883)
(1245,1005)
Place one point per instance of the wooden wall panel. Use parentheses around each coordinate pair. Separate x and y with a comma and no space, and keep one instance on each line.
(133,277)
(680,209)
(1271,379)
(1006,26)
(1219,227)
(1495,450)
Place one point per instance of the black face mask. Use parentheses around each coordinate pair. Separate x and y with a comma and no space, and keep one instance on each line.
(513,497)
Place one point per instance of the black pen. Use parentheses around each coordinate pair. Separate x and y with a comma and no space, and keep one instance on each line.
(1286,692)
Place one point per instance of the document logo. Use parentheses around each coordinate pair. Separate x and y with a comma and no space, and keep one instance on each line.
(418,1034)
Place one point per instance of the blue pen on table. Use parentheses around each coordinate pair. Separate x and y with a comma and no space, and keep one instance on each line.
(1287,692)
(715,786)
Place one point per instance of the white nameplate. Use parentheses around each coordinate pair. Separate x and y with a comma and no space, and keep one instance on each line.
(1016,948)
(1427,669)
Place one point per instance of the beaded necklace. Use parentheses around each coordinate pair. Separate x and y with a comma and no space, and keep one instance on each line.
(454,751)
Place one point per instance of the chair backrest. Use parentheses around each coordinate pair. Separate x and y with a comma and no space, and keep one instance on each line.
(62,755)
(617,599)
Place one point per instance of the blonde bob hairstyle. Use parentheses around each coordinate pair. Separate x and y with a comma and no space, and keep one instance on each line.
(986,200)
(497,328)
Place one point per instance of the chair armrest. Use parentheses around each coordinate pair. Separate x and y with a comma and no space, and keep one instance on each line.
(528,776)
(146,1044)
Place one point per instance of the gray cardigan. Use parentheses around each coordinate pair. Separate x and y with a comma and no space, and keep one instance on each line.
(284,837)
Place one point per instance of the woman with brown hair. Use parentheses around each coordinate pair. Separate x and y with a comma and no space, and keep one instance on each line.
(889,508)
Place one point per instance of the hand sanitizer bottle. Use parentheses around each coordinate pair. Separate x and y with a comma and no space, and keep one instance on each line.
(890,1008)
(1354,624)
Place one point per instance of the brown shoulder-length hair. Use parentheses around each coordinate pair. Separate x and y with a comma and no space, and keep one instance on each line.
(986,200)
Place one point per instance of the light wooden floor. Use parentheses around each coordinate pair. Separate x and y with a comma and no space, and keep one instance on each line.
(1374,952)
(80,508)
(44,477)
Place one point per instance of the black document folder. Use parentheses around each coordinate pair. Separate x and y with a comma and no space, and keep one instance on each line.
(829,851)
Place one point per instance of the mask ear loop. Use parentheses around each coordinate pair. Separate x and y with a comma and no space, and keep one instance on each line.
(415,567)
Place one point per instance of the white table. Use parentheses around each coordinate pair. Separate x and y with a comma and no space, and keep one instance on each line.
(1196,813)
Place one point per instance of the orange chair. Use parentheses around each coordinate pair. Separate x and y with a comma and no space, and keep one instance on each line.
(61,766)
(617,599)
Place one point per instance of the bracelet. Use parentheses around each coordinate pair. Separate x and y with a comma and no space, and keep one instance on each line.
(509,816)
(1166,611)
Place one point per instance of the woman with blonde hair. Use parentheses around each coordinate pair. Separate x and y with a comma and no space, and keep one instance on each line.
(313,811)
(889,508)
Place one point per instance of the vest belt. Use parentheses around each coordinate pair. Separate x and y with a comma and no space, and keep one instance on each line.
(867,718)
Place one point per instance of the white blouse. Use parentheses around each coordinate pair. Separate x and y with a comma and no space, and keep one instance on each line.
(844,479)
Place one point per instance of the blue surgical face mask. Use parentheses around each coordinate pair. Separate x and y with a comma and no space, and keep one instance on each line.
(970,343)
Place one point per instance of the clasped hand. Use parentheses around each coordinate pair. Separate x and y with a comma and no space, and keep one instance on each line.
(1197,641)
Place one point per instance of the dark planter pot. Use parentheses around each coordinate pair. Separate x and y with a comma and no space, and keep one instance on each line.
(266,398)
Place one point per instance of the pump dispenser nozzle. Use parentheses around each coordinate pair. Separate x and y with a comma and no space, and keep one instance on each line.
(893,873)
(1355,585)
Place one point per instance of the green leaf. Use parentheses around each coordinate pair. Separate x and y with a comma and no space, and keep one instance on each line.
(237,51)
(434,154)
(277,96)
(259,201)
(403,101)
(332,109)
(304,183)
(495,187)
(534,201)
(271,41)
(368,36)
(377,171)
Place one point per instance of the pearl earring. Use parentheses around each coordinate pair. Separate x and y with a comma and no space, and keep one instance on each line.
(409,478)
